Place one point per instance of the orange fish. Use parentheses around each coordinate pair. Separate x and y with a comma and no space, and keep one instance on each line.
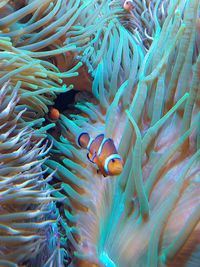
(54,114)
(103,153)
(128,5)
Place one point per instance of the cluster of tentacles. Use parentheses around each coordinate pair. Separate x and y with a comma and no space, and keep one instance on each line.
(138,74)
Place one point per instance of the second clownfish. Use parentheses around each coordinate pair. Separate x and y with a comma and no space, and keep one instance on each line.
(54,114)
(128,5)
(103,153)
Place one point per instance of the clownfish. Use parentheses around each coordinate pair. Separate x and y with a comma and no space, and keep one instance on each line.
(103,153)
(128,5)
(54,114)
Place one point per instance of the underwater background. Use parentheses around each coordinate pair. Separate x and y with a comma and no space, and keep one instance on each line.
(129,70)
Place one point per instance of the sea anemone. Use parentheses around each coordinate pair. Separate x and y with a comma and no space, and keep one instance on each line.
(149,215)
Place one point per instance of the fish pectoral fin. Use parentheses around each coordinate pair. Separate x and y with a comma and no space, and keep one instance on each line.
(99,172)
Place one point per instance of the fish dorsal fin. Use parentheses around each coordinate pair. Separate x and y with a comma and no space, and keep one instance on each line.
(107,148)
(94,145)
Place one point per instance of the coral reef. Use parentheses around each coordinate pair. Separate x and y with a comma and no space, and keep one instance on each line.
(138,74)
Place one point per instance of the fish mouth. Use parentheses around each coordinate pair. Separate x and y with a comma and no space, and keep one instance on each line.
(118,170)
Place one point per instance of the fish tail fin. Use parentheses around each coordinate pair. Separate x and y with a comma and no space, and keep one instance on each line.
(83,140)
